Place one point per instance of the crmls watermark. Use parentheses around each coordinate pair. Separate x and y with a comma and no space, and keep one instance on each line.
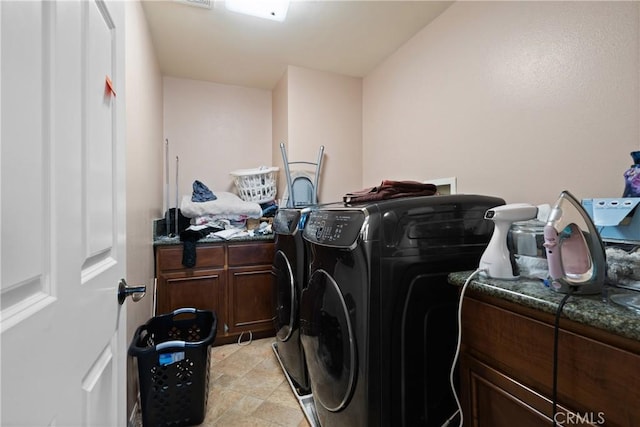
(574,418)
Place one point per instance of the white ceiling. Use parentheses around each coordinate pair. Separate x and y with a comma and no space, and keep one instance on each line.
(343,37)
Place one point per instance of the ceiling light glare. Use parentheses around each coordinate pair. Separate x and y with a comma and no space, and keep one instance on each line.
(275,10)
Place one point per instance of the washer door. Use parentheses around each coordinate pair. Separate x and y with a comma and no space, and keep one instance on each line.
(285,296)
(329,344)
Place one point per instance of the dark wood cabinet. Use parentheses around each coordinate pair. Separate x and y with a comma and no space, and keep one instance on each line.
(506,369)
(204,290)
(233,279)
(498,400)
(250,299)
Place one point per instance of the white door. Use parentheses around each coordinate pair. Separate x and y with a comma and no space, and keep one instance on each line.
(62,341)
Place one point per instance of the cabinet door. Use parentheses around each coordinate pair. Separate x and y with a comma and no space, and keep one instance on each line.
(204,291)
(251,306)
(492,399)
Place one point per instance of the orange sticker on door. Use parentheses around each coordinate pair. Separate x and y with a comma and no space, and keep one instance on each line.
(108,87)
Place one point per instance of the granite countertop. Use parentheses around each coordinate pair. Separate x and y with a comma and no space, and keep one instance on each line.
(160,237)
(593,310)
(165,240)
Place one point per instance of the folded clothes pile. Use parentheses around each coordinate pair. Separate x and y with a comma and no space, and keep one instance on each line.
(391,190)
(222,214)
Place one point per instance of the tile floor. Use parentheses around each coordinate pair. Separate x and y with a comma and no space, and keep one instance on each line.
(248,388)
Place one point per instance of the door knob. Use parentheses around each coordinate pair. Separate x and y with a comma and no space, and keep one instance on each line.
(136,292)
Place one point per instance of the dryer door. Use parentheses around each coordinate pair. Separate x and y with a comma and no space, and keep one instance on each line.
(285,296)
(328,341)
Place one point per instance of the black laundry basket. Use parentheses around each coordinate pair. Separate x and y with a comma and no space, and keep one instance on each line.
(172,351)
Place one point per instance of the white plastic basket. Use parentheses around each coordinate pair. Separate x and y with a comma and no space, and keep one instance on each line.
(256,185)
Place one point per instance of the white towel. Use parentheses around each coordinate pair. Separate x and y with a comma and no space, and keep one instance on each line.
(226,204)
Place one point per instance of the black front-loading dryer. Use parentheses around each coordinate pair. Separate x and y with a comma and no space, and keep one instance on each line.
(289,275)
(377,316)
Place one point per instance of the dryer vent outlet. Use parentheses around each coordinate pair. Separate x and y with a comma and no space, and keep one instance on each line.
(205,4)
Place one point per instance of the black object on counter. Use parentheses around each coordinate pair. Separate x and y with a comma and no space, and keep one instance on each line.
(170,225)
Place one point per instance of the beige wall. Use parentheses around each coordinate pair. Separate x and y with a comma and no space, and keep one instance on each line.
(516,99)
(280,123)
(214,129)
(326,109)
(144,169)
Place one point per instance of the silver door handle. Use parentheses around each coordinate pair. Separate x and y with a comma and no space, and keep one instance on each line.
(136,292)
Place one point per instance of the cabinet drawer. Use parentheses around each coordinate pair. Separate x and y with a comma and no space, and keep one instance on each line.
(170,257)
(251,254)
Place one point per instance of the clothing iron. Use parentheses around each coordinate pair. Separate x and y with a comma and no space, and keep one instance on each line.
(497,261)
(575,252)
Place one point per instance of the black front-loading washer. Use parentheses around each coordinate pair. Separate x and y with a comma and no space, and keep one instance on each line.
(289,275)
(377,316)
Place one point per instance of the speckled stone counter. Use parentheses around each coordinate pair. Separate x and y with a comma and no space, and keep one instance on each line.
(160,237)
(165,240)
(588,310)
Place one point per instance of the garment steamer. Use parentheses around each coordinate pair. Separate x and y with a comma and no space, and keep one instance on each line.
(497,261)
(575,252)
